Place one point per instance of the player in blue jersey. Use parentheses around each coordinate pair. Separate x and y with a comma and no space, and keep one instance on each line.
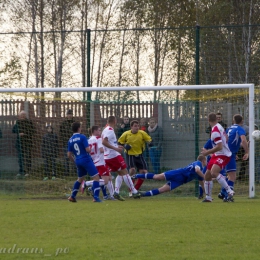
(236,138)
(79,148)
(174,178)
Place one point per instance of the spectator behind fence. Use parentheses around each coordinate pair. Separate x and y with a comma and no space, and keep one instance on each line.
(155,147)
(49,153)
(64,136)
(124,126)
(25,131)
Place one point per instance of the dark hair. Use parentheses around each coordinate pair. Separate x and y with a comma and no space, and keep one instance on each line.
(93,128)
(134,122)
(212,117)
(69,112)
(75,127)
(219,114)
(237,119)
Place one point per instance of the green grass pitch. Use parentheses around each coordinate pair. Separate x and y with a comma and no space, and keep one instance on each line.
(146,228)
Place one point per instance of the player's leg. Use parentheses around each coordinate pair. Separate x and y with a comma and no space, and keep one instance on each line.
(110,187)
(170,185)
(201,189)
(150,176)
(215,172)
(158,191)
(208,185)
(81,175)
(142,166)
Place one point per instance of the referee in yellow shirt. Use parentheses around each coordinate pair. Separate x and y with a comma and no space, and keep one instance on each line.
(134,141)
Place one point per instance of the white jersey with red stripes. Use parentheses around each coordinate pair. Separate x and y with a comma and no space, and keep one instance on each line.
(95,143)
(219,135)
(109,133)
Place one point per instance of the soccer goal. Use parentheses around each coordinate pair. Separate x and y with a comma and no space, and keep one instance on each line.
(38,165)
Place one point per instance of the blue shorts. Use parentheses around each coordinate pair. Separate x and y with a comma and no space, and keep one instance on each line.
(85,167)
(175,178)
(232,165)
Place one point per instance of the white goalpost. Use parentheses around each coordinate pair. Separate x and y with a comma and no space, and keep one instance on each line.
(247,87)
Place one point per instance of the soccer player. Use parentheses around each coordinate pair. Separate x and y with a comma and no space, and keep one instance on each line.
(134,141)
(208,145)
(175,178)
(236,137)
(219,159)
(97,155)
(114,159)
(79,147)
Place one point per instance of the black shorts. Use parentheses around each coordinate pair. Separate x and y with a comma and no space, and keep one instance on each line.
(136,161)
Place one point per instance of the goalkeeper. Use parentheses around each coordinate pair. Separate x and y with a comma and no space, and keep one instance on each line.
(134,141)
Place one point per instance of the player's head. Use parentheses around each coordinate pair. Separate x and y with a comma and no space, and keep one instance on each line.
(203,159)
(22,115)
(69,114)
(238,119)
(111,120)
(219,117)
(95,130)
(134,126)
(76,127)
(212,117)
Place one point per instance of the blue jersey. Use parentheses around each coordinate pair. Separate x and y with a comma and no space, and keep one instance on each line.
(77,144)
(234,132)
(184,175)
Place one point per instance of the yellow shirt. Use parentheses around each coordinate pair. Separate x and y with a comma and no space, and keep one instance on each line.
(137,141)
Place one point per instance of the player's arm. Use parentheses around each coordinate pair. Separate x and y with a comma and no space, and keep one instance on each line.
(87,149)
(70,156)
(206,152)
(108,145)
(244,144)
(199,172)
(122,139)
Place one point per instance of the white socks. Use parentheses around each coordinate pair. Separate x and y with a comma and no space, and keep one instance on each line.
(110,188)
(128,181)
(208,185)
(222,181)
(90,183)
(118,183)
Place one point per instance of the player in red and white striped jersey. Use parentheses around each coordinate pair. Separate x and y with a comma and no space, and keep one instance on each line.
(97,155)
(219,159)
(114,159)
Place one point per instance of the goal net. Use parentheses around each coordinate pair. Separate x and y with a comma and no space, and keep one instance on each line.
(39,166)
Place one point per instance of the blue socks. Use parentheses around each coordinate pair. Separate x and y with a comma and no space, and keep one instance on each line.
(104,190)
(200,191)
(75,189)
(96,188)
(144,176)
(151,193)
